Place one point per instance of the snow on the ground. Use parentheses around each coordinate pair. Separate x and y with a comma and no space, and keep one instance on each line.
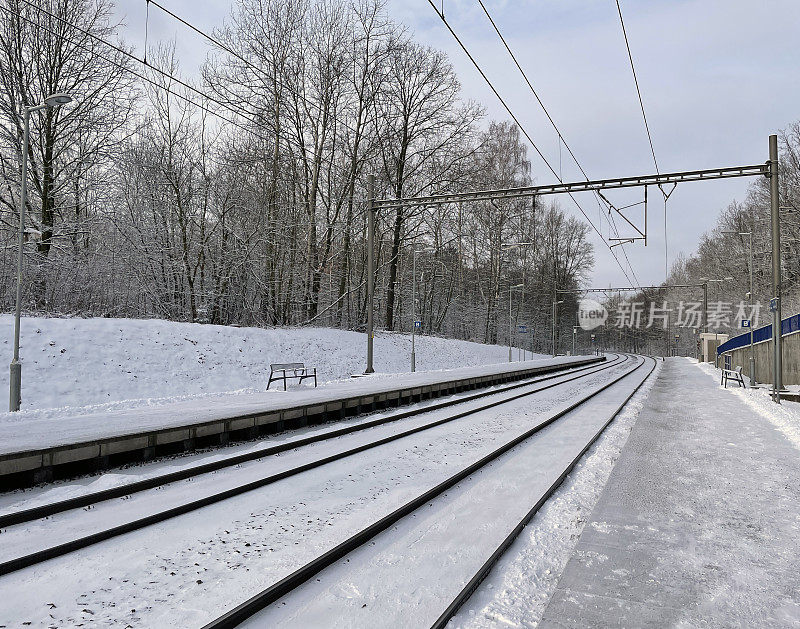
(125,363)
(64,489)
(516,591)
(182,573)
(785,416)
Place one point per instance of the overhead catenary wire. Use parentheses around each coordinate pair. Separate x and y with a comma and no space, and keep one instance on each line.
(561,138)
(636,83)
(222,46)
(647,129)
(134,72)
(138,59)
(523,130)
(237,112)
(247,115)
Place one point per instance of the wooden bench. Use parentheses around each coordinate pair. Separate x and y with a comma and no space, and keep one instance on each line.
(732,374)
(286,371)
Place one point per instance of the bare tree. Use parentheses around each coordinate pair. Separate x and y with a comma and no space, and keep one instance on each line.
(47,49)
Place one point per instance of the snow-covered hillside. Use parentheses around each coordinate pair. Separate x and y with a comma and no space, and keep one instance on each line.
(81,362)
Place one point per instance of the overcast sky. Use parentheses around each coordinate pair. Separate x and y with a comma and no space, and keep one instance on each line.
(717,77)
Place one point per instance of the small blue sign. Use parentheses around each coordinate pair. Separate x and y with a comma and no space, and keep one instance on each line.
(417,324)
(523,328)
(773,304)
(745,323)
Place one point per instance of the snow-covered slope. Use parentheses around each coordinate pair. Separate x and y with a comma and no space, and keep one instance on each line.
(81,362)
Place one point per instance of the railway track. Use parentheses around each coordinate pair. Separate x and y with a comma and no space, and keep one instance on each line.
(89,501)
(303,575)
(19,516)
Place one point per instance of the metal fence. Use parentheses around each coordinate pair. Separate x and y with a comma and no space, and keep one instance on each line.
(788,325)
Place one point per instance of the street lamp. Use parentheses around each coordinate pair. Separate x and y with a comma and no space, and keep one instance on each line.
(414,305)
(706,281)
(508,247)
(15,369)
(555,315)
(510,288)
(750,299)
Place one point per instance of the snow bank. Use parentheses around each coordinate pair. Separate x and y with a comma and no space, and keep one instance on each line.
(123,363)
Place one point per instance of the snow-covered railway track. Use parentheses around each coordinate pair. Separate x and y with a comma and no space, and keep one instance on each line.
(256,610)
(28,514)
(88,502)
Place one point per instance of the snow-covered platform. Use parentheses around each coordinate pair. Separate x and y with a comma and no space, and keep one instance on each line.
(32,448)
(699,523)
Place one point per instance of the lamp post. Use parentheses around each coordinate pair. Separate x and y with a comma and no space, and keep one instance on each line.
(750,299)
(706,281)
(555,315)
(15,369)
(574,334)
(414,306)
(510,288)
(370,270)
(508,247)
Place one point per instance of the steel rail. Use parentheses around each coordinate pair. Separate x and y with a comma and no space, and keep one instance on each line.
(469,589)
(24,561)
(300,576)
(580,186)
(41,511)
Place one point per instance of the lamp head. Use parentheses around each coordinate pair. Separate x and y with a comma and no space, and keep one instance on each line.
(56,100)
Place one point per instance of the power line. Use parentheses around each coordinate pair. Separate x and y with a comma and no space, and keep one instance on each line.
(527,135)
(235,54)
(636,82)
(130,70)
(134,72)
(612,222)
(150,81)
(138,59)
(647,129)
(533,91)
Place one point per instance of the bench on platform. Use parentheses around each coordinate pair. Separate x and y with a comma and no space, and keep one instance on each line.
(286,371)
(732,374)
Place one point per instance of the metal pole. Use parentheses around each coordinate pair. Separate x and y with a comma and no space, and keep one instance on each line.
(370,269)
(776,267)
(555,310)
(413,310)
(509,324)
(752,355)
(15,375)
(705,321)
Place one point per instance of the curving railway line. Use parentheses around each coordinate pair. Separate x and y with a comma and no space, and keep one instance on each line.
(474,436)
